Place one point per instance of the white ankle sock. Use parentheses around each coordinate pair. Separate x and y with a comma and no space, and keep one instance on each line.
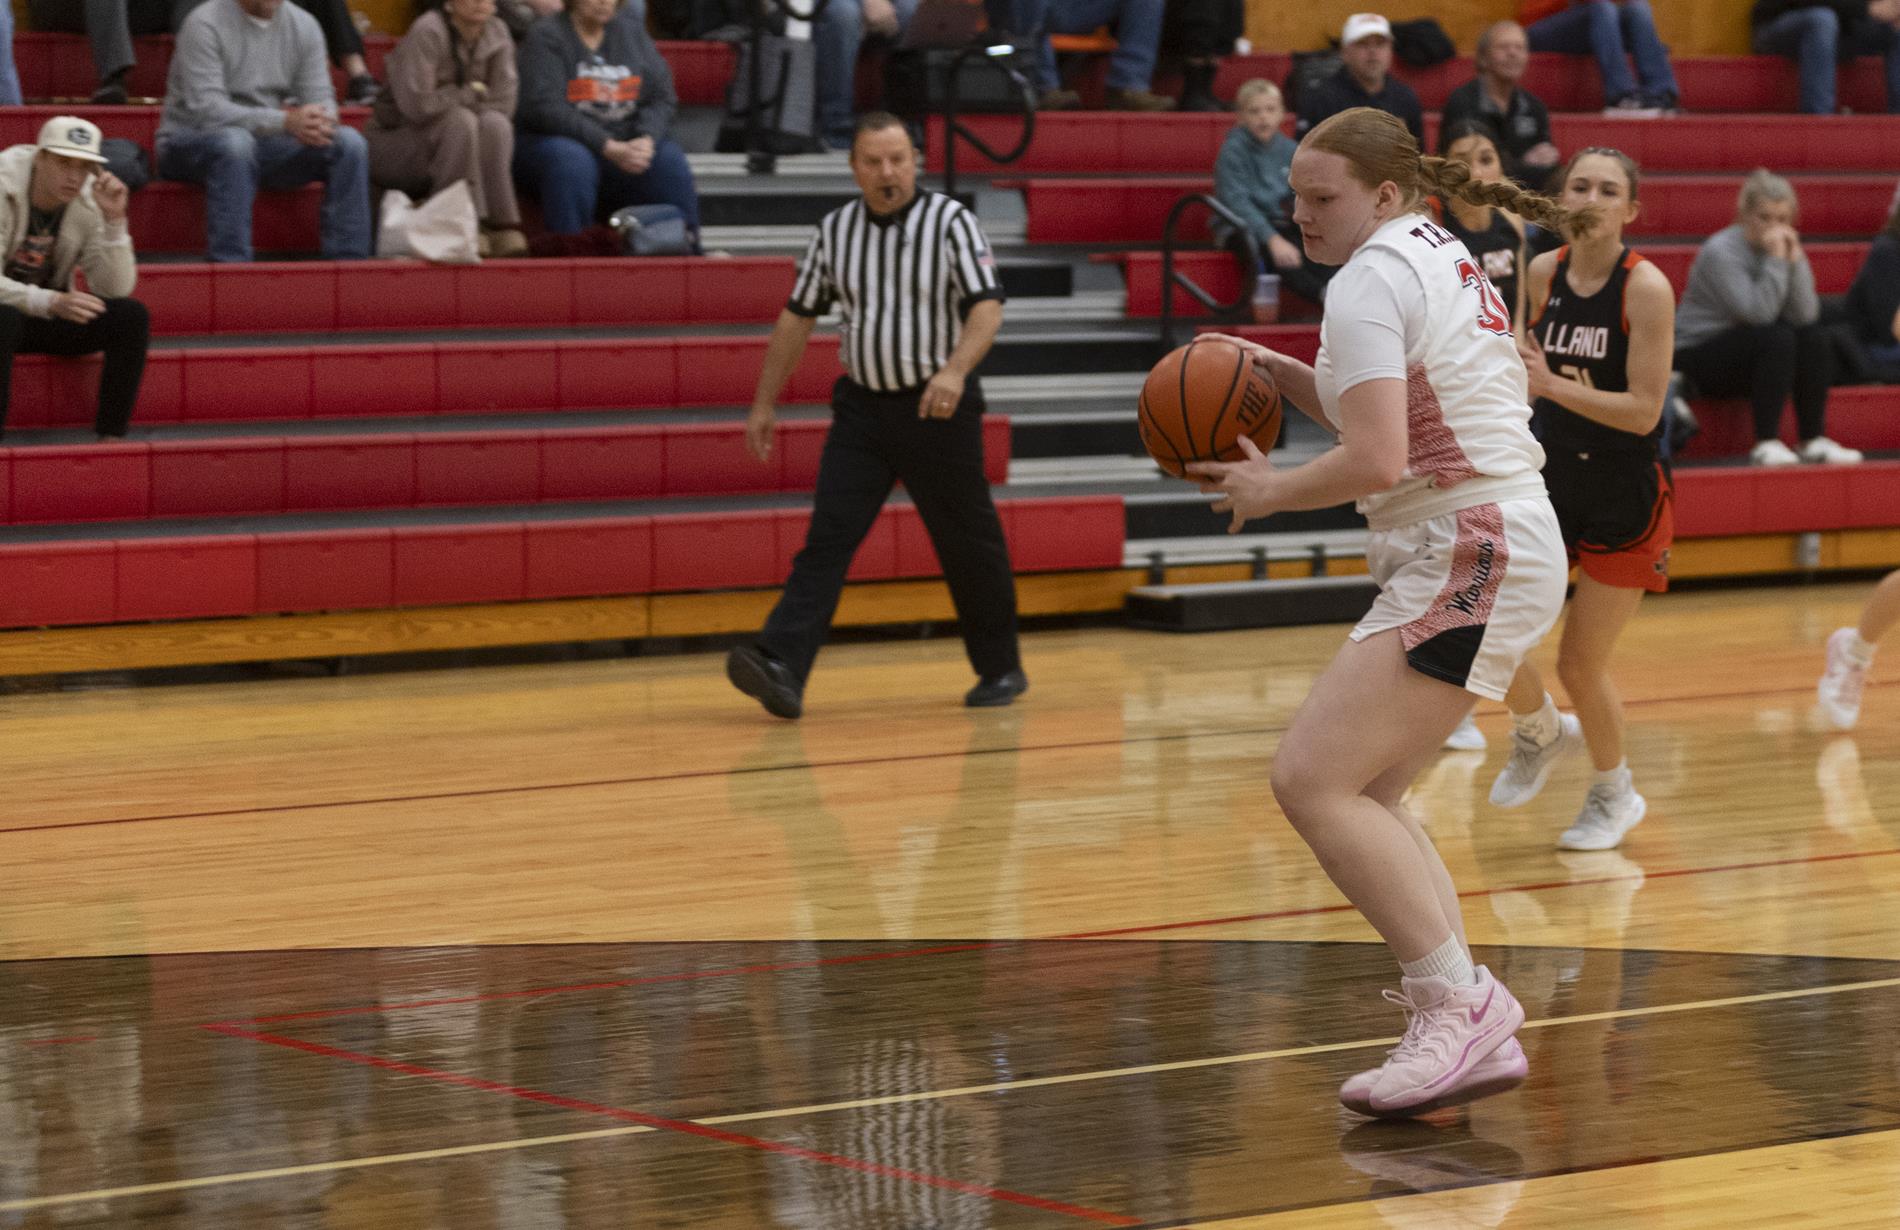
(1539,727)
(1449,961)
(1619,777)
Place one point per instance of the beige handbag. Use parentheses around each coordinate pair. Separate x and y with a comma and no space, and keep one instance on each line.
(443,228)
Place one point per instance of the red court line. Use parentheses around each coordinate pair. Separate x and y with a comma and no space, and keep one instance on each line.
(74,1040)
(682,1126)
(774,967)
(540,787)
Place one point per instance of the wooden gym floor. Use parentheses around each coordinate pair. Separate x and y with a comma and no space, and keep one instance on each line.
(595,943)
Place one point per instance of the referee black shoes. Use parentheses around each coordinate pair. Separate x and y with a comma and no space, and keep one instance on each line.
(995,691)
(766,680)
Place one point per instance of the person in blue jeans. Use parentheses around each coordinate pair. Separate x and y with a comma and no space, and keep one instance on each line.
(837,33)
(9,75)
(248,104)
(1615,32)
(1136,25)
(596,103)
(1818,36)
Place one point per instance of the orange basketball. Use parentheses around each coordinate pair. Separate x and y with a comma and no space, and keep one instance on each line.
(1200,399)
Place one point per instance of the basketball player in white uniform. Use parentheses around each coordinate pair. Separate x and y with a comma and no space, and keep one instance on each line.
(1419,376)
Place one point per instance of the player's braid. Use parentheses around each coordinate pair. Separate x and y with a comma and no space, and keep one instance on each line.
(1448,177)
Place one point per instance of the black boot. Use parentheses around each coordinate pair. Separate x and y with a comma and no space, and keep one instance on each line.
(1197,88)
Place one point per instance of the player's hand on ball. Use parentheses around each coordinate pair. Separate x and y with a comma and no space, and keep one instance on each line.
(1244,487)
(1262,356)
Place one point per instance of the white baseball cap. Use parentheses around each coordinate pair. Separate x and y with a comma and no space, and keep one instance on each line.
(71,137)
(1364,25)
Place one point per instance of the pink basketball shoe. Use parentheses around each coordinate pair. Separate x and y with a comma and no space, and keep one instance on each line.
(1458,1046)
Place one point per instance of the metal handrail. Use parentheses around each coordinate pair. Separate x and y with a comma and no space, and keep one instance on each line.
(954,128)
(760,160)
(1170,278)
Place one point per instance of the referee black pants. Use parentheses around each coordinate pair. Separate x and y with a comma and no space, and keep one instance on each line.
(877,440)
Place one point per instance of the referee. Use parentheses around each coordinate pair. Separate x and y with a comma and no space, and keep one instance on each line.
(916,284)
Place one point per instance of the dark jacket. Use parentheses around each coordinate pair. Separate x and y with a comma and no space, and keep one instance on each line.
(1524,125)
(1342,92)
(1875,295)
(624,90)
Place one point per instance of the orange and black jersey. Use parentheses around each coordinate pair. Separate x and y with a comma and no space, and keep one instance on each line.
(1587,338)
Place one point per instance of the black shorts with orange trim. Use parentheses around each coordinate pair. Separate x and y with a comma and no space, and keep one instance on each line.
(1617,512)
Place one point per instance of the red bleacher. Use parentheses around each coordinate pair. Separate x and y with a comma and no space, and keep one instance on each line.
(1218,272)
(71,581)
(350,296)
(1129,143)
(1125,210)
(229,476)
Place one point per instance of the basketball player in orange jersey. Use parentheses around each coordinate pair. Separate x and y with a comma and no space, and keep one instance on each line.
(1603,326)
(1419,375)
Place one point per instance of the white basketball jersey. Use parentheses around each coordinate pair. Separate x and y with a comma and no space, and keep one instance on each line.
(1468,435)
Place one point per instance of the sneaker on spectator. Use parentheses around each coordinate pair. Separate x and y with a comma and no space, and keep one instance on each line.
(361,90)
(1632,107)
(1772,453)
(1059,100)
(1823,451)
(109,94)
(1839,692)
(1138,100)
(505,241)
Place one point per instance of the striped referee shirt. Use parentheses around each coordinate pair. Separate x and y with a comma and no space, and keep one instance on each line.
(903,283)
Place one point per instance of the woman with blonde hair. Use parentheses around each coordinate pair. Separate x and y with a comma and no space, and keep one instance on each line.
(1419,376)
(1750,325)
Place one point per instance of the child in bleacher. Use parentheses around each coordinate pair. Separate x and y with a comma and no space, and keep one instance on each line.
(1250,178)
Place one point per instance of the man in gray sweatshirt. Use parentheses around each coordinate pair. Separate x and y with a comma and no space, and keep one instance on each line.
(248,104)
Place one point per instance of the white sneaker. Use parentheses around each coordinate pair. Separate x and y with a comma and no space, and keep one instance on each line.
(1632,108)
(1838,694)
(1823,451)
(1467,738)
(1529,767)
(1773,453)
(1605,818)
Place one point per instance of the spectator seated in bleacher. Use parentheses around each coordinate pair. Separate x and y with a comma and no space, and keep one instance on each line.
(1817,36)
(1495,236)
(1873,302)
(62,212)
(597,101)
(836,36)
(109,25)
(1615,32)
(1250,178)
(248,104)
(1137,28)
(449,115)
(1364,79)
(1749,325)
(1199,33)
(1519,118)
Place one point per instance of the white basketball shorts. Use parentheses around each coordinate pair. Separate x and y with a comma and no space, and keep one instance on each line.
(1470,592)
